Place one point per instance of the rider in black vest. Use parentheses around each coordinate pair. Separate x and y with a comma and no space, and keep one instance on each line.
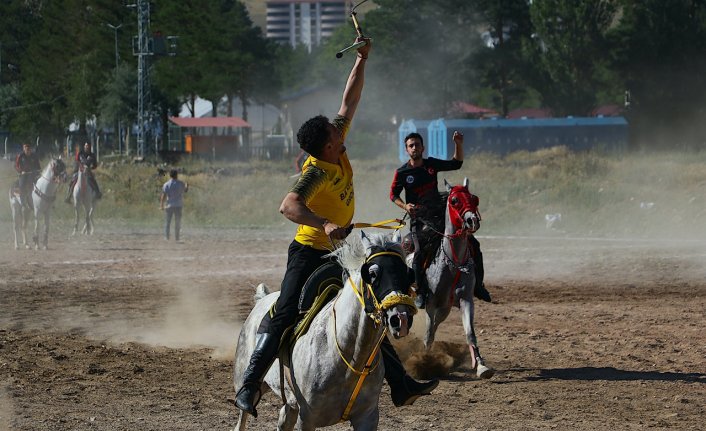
(28,167)
(85,157)
(417,177)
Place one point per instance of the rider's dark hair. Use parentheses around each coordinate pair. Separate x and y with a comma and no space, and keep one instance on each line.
(173,173)
(313,135)
(413,135)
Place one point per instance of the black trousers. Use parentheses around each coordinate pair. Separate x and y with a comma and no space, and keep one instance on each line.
(302,261)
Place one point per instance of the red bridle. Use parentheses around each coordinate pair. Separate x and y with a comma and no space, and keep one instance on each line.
(461,202)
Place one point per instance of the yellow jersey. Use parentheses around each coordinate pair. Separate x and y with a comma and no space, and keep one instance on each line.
(327,189)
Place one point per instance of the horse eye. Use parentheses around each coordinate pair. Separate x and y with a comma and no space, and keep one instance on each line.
(454,200)
(374,270)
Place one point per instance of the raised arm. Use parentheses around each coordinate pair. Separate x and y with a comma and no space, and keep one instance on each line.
(354,85)
(458,148)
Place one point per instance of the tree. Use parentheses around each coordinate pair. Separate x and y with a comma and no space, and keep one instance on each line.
(499,63)
(659,49)
(568,56)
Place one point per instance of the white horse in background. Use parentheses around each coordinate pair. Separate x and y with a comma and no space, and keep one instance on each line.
(43,197)
(322,384)
(84,197)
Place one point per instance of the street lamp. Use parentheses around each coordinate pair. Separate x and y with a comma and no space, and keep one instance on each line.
(115,28)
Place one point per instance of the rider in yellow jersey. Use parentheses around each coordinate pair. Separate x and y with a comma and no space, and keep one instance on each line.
(322,203)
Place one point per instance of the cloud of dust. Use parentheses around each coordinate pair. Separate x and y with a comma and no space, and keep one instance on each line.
(192,320)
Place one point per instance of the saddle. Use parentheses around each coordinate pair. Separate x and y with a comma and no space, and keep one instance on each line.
(319,289)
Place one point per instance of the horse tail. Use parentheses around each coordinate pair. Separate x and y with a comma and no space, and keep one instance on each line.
(261,291)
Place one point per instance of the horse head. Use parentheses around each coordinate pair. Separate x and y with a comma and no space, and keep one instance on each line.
(387,283)
(57,170)
(462,207)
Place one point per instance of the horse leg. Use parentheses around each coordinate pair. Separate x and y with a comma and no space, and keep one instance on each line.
(76,218)
(86,209)
(477,362)
(287,418)
(45,239)
(367,422)
(242,421)
(90,221)
(35,236)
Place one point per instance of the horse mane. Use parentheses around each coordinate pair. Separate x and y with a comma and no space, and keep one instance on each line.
(352,253)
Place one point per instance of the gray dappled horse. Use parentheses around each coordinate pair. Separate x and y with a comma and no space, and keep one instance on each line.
(325,364)
(43,197)
(451,276)
(84,197)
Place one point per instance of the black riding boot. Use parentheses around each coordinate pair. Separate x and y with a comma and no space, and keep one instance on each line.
(404,390)
(97,190)
(422,285)
(262,357)
(479,291)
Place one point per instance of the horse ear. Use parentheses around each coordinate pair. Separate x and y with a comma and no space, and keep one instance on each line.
(364,240)
(448,186)
(397,236)
(465,182)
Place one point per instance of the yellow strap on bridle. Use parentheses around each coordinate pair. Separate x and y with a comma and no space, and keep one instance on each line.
(363,374)
(385,224)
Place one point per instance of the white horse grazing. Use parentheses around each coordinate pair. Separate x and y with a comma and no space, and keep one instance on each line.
(326,371)
(20,216)
(84,197)
(44,195)
(451,277)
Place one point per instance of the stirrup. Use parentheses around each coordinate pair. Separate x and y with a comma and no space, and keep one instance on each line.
(257,394)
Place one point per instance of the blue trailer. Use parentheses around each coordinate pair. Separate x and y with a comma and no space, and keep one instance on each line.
(502,136)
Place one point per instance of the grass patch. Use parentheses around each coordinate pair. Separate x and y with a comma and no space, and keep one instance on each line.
(637,195)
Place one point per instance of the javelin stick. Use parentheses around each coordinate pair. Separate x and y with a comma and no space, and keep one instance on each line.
(358,30)
(356,45)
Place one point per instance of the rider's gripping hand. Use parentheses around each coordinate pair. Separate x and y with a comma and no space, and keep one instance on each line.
(335,231)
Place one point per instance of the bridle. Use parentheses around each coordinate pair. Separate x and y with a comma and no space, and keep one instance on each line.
(377,315)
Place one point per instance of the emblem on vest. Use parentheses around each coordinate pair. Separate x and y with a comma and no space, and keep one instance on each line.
(410,179)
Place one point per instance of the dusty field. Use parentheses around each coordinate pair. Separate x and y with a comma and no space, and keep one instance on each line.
(124,331)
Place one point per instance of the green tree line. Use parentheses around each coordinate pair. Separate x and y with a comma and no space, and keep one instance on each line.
(58,61)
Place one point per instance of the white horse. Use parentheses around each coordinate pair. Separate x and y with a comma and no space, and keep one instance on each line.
(451,277)
(326,371)
(44,195)
(84,197)
(20,216)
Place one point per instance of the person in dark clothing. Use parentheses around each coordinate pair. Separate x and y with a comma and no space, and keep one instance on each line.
(322,204)
(85,157)
(418,178)
(28,167)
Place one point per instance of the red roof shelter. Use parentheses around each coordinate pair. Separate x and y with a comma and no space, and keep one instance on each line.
(222,142)
(209,122)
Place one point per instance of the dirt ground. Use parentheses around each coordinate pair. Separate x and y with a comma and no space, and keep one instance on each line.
(125,331)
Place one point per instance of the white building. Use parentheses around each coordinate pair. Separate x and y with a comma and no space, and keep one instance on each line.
(304,22)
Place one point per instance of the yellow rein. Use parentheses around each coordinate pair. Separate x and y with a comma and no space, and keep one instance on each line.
(388,302)
(384,224)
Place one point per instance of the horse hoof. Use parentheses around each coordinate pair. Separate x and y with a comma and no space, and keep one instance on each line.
(484,372)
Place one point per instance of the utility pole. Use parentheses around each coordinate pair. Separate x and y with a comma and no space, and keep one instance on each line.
(143,51)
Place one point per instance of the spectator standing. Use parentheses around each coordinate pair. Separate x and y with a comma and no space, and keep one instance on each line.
(173,196)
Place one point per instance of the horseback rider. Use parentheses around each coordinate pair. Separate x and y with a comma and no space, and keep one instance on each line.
(418,178)
(28,167)
(85,157)
(322,203)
